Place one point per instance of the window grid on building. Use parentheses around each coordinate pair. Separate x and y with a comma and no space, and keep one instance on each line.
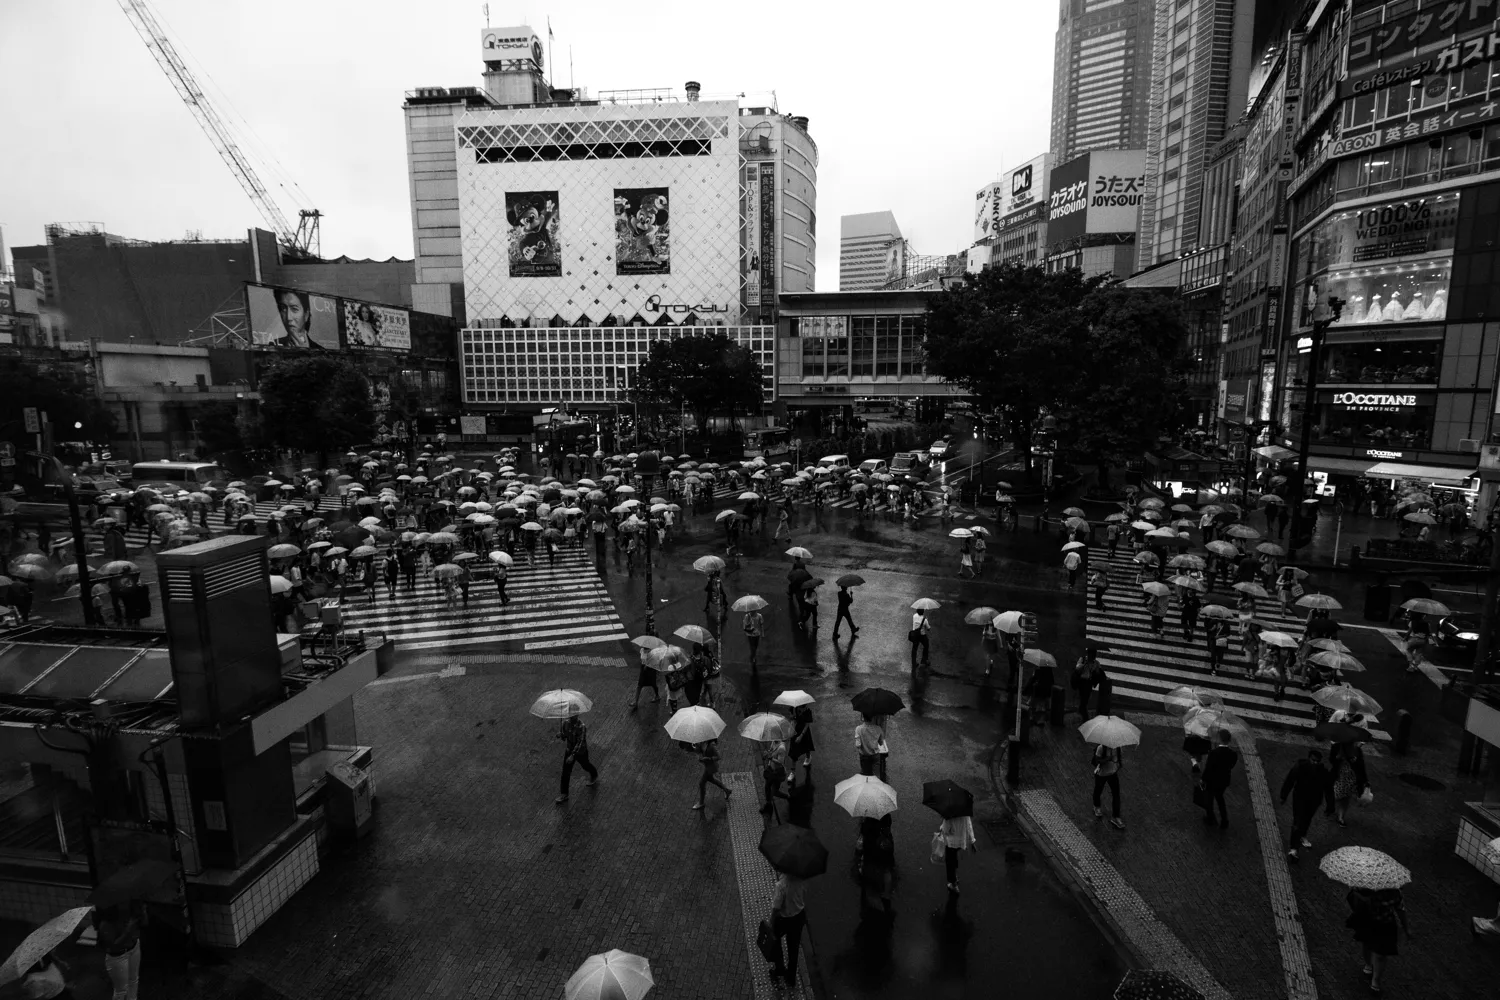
(580,364)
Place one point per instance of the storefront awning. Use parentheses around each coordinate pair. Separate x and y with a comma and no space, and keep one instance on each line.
(1387,470)
(1275,452)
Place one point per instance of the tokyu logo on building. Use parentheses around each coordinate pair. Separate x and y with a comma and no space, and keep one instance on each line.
(1374,400)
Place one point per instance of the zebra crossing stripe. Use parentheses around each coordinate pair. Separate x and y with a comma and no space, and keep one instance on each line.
(550,605)
(1143,667)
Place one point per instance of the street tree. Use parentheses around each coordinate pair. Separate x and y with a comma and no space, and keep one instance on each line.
(315,404)
(63,394)
(1009,335)
(707,375)
(1126,379)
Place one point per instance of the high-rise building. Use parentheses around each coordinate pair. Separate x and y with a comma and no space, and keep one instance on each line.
(1101,76)
(871,251)
(1200,72)
(574,233)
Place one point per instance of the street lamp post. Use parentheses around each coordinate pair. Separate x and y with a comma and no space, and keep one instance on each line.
(1314,356)
(647,465)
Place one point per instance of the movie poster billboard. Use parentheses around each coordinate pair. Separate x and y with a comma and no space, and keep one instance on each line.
(643,242)
(752,236)
(291,318)
(532,242)
(374,327)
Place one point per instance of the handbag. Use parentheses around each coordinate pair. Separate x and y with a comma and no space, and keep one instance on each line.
(914,635)
(1367,796)
(939,847)
(1200,796)
(768,943)
(1297,590)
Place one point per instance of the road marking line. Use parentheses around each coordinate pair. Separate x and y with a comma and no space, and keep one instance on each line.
(578,641)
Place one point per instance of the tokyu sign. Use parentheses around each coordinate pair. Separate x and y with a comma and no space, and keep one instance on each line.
(1375,400)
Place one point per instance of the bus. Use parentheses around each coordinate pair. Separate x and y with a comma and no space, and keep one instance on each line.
(769,443)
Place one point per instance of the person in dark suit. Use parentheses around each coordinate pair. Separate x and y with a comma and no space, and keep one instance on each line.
(1309,785)
(1216,767)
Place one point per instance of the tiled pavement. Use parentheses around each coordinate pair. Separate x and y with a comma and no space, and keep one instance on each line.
(1240,914)
(1123,905)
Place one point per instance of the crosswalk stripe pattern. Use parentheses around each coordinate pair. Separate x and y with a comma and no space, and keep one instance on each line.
(1144,668)
(550,607)
(725,493)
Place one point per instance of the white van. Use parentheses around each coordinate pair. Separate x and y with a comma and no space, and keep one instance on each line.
(189,475)
(838,463)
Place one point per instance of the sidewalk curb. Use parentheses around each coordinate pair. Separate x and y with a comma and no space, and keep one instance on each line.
(1091,904)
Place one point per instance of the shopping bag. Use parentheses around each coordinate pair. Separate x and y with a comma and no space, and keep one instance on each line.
(939,848)
(1297,590)
(768,943)
(1367,796)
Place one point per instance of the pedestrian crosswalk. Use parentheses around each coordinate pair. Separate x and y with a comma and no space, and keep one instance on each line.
(1143,667)
(551,606)
(137,537)
(726,495)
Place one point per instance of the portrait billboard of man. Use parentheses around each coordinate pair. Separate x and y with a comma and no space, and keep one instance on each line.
(291,318)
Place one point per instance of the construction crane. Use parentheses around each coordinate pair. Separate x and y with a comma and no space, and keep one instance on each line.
(305,240)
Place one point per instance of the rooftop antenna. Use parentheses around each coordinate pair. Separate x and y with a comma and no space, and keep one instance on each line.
(549,53)
(570,67)
(486,15)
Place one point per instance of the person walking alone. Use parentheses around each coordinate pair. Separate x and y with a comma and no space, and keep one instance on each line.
(754,626)
(773,771)
(1107,762)
(801,747)
(919,637)
(1308,786)
(869,741)
(644,680)
(788,918)
(1086,674)
(957,834)
(575,737)
(119,931)
(1071,562)
(783,523)
(1099,581)
(845,599)
(1376,917)
(708,756)
(1215,781)
(810,607)
(1189,612)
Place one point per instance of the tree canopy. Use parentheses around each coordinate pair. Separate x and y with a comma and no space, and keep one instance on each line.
(1010,336)
(1101,359)
(707,374)
(316,404)
(64,396)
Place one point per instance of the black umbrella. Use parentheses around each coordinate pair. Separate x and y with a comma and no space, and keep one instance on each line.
(850,580)
(795,850)
(948,799)
(1341,732)
(877,701)
(812,584)
(798,576)
(1154,984)
(136,881)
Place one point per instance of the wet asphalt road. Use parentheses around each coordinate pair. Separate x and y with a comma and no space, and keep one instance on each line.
(1014,928)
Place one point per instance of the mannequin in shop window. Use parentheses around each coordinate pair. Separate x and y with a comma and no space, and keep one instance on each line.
(1373,314)
(1439,307)
(1394,309)
(1416,309)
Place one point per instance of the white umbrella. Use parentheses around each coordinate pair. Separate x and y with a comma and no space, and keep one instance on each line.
(750,602)
(694,724)
(1110,731)
(41,941)
(561,704)
(614,975)
(865,795)
(1364,868)
(793,699)
(766,727)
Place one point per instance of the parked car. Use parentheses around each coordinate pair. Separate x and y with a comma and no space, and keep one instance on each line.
(871,466)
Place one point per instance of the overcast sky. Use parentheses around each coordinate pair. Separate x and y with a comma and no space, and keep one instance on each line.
(913,106)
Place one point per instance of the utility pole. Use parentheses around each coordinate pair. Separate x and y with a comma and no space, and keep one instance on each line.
(647,465)
(1314,357)
(80,554)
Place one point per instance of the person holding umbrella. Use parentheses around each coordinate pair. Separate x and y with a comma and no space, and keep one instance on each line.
(119,929)
(1110,734)
(956,833)
(788,918)
(569,706)
(920,634)
(1157,600)
(1086,674)
(773,770)
(753,623)
(645,678)
(810,603)
(845,599)
(1347,777)
(1377,913)
(802,746)
(708,756)
(869,741)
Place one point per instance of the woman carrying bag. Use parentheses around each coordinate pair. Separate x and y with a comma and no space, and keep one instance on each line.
(953,836)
